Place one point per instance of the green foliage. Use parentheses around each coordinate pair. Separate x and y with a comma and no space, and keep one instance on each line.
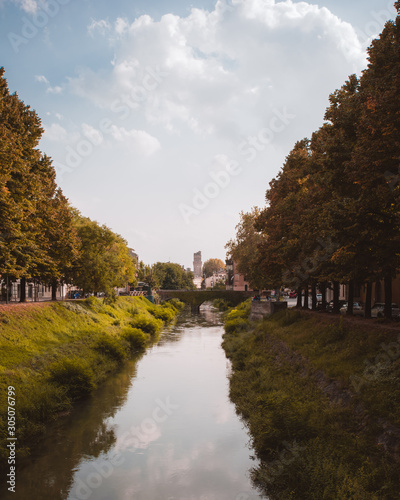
(147,324)
(221,304)
(333,211)
(74,375)
(103,261)
(57,352)
(111,347)
(176,304)
(37,238)
(136,339)
(309,447)
(171,276)
(164,313)
(237,319)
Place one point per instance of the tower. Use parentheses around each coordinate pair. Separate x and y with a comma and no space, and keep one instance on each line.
(197,265)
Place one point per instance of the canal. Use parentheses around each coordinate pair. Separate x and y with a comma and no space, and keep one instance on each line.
(161,429)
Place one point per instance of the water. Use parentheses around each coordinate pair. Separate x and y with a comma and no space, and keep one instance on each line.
(162,429)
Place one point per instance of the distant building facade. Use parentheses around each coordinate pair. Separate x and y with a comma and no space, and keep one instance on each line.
(217,277)
(235,280)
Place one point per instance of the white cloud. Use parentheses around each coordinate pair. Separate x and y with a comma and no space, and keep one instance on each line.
(50,89)
(41,79)
(101,27)
(206,87)
(94,135)
(224,68)
(30,6)
(56,133)
(54,90)
(139,140)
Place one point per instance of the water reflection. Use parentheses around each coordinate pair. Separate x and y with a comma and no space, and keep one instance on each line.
(167,432)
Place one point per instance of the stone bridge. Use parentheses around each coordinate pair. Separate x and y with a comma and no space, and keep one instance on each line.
(196,297)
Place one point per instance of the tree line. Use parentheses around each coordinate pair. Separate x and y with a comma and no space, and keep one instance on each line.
(332,213)
(166,276)
(42,237)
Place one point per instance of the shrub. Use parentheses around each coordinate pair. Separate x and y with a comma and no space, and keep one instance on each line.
(74,375)
(221,304)
(110,347)
(236,325)
(136,339)
(147,324)
(166,314)
(175,303)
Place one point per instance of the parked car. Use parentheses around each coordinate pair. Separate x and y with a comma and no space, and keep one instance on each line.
(357,309)
(377,310)
(329,307)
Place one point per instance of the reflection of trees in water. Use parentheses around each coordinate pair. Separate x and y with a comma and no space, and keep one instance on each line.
(85,433)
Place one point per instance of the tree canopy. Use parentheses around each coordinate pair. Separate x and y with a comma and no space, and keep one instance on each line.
(42,237)
(212,266)
(333,213)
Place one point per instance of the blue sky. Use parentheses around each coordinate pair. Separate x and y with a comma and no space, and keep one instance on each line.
(166,119)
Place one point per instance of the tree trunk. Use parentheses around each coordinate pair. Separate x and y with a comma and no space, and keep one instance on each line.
(314,297)
(336,293)
(23,290)
(305,306)
(54,284)
(368,300)
(323,292)
(299,290)
(350,300)
(388,295)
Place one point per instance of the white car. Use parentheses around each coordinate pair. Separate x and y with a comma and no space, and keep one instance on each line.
(357,308)
(378,309)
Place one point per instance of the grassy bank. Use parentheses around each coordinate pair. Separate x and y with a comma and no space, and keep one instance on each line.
(56,353)
(321,397)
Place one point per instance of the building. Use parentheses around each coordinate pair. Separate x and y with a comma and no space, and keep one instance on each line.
(197,265)
(34,292)
(218,277)
(235,280)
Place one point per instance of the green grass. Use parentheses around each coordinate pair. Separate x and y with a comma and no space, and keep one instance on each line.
(56,353)
(309,447)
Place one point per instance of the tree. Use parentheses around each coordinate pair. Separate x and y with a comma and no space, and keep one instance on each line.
(147,275)
(172,276)
(36,230)
(103,260)
(212,266)
(375,161)
(245,249)
(20,132)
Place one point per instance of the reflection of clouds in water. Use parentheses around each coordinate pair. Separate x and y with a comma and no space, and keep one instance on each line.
(139,438)
(193,476)
(223,412)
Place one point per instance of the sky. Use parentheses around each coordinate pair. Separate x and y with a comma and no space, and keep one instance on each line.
(165,120)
